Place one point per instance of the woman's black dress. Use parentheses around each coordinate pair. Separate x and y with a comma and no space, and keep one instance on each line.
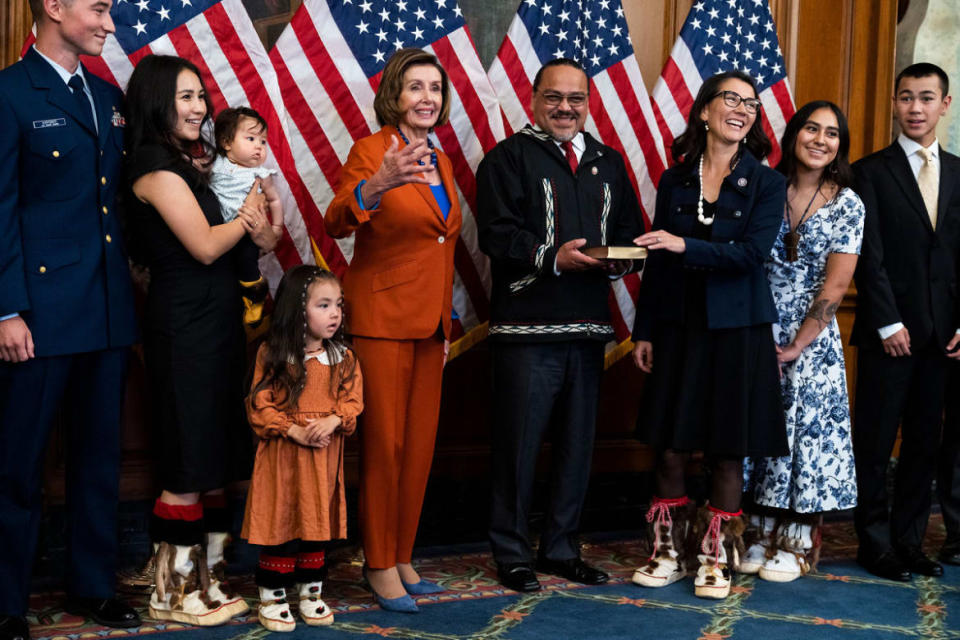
(715,391)
(194,345)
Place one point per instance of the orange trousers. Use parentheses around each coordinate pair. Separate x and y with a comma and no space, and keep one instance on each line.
(401,397)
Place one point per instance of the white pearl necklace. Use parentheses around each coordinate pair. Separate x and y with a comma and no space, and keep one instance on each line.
(703,219)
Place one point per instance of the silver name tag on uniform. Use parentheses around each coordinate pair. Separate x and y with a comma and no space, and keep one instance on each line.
(52,122)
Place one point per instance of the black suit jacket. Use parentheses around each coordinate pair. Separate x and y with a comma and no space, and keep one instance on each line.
(907,270)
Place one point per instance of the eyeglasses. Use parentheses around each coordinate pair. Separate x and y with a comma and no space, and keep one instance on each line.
(553,99)
(733,99)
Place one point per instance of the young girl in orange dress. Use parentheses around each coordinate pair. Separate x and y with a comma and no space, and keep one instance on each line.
(306,394)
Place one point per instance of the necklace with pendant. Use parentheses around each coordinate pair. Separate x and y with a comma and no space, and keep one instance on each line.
(791,239)
(433,151)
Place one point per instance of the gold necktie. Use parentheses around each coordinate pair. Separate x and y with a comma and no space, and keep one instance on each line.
(928,180)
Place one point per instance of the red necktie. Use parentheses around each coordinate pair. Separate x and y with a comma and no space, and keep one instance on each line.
(571,156)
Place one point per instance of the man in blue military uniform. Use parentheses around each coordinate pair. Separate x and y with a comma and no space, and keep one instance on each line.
(66,307)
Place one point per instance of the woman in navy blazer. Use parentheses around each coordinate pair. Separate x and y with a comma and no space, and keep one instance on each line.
(705,311)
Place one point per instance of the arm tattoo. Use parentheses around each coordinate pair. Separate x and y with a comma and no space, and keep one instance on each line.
(822,311)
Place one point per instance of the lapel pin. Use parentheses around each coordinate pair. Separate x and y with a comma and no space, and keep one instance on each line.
(742,182)
(593,170)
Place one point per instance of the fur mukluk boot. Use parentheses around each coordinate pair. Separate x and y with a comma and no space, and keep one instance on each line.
(313,609)
(721,547)
(760,543)
(182,584)
(670,521)
(220,589)
(795,555)
(274,611)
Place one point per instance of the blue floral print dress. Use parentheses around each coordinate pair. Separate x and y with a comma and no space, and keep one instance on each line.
(818,475)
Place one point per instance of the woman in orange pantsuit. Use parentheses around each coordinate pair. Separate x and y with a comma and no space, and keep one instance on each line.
(397,195)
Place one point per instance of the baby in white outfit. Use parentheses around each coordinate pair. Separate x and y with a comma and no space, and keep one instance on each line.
(241,136)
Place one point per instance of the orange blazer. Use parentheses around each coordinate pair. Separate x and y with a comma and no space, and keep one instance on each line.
(399,284)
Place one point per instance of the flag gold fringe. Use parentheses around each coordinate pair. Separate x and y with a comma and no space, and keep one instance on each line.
(472,337)
(317,256)
(621,350)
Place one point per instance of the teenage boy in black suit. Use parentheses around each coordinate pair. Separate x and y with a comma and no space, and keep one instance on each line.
(906,323)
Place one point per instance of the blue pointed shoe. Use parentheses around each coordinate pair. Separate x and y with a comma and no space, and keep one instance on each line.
(403,604)
(422,588)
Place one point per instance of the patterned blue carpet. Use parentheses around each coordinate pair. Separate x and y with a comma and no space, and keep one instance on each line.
(839,601)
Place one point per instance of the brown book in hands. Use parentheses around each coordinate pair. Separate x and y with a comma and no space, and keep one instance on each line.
(616,253)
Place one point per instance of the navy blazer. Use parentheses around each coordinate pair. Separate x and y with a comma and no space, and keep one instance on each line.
(907,270)
(748,215)
(63,266)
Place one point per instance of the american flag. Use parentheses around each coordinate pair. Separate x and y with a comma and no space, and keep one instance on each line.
(724,35)
(329,61)
(219,38)
(593,32)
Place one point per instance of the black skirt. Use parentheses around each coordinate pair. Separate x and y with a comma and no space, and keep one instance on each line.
(716,391)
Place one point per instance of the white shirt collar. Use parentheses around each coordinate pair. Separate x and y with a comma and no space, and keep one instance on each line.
(63,73)
(579,143)
(910,147)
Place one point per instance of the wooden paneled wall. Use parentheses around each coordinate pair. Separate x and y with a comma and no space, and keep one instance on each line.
(15,21)
(841,50)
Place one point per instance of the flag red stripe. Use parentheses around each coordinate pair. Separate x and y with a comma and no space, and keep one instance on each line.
(186,47)
(682,95)
(470,277)
(616,316)
(621,83)
(467,183)
(303,117)
(472,104)
(782,95)
(774,157)
(139,55)
(608,133)
(99,68)
(517,75)
(326,70)
(665,132)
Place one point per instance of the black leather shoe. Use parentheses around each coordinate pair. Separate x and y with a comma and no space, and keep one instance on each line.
(14,628)
(917,562)
(950,552)
(108,612)
(518,576)
(574,570)
(886,565)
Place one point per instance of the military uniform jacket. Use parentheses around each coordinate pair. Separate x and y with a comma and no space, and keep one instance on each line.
(529,203)
(63,267)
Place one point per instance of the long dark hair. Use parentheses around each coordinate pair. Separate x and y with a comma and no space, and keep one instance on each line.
(688,146)
(839,170)
(283,367)
(152,112)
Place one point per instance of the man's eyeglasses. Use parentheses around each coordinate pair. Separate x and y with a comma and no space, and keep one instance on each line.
(553,99)
(733,99)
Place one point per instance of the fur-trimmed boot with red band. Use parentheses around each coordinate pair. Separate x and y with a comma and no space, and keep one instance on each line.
(721,548)
(182,583)
(670,521)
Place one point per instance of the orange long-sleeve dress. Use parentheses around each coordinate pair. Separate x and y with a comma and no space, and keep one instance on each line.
(297,492)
